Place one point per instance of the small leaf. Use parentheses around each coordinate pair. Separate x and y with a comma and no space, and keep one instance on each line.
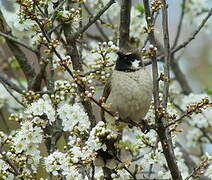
(59,14)
(140,8)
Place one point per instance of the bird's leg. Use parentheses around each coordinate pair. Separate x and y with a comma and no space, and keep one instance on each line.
(143,125)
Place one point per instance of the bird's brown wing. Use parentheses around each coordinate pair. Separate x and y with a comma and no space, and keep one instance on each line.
(106,93)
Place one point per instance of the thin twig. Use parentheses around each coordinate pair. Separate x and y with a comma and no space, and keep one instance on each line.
(19,42)
(167,52)
(193,173)
(93,20)
(185,114)
(99,28)
(178,120)
(194,34)
(180,77)
(174,64)
(124,167)
(11,84)
(179,28)
(10,163)
(9,91)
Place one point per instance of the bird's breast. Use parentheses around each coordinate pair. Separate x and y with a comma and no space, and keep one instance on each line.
(131,94)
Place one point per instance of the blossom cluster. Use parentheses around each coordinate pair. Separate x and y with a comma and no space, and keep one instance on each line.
(73,117)
(60,164)
(23,150)
(99,136)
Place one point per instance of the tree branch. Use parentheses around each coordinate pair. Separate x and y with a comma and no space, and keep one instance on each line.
(36,84)
(25,66)
(9,83)
(92,20)
(180,77)
(72,50)
(184,44)
(179,28)
(99,28)
(124,28)
(151,37)
(167,52)
(19,42)
(9,91)
(163,133)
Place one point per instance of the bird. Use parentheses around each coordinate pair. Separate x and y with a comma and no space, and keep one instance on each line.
(128,91)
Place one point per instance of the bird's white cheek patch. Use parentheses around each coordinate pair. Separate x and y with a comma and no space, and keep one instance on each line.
(135,64)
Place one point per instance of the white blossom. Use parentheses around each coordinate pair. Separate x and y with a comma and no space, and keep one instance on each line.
(10,10)
(42,106)
(137,24)
(26,140)
(5,174)
(73,116)
(135,64)
(59,162)
(100,130)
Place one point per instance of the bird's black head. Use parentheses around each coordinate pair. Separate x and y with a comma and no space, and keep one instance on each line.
(128,62)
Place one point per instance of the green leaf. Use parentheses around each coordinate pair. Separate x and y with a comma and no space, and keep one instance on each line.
(59,14)
(140,8)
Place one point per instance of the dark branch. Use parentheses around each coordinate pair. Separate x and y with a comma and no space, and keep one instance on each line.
(36,84)
(179,28)
(151,37)
(25,66)
(92,20)
(9,83)
(124,28)
(180,77)
(184,44)
(19,42)
(163,133)
(9,91)
(167,52)
(99,28)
